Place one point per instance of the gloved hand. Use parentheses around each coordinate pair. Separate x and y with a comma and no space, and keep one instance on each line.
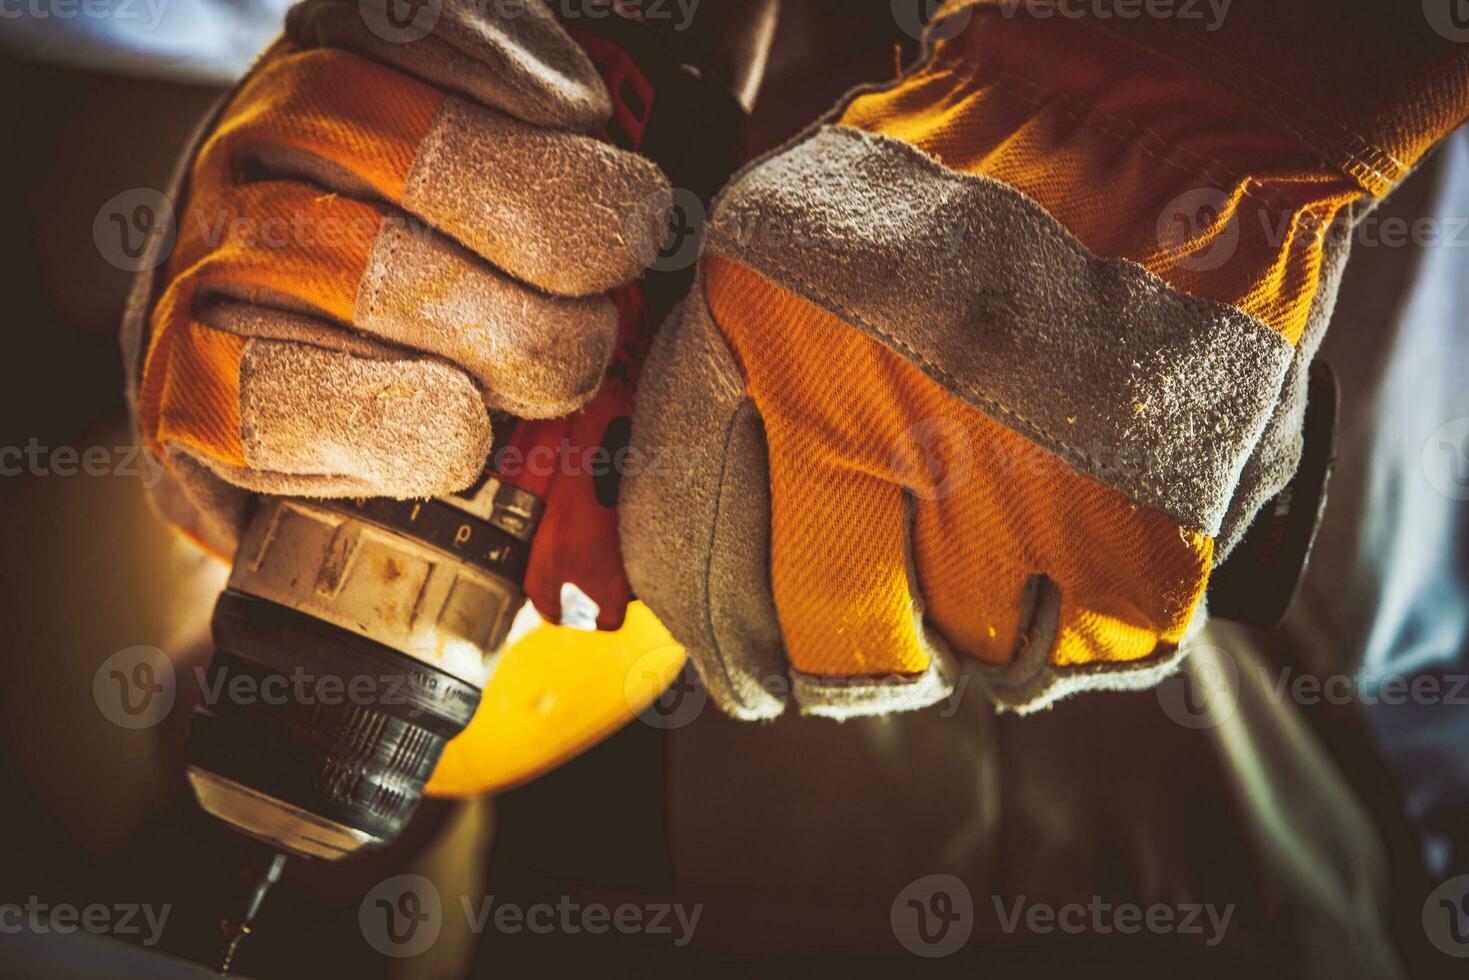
(389,231)
(973,368)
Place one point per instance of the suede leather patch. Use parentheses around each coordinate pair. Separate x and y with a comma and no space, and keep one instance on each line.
(1151,392)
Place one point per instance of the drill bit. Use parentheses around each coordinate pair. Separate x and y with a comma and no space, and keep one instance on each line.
(260,869)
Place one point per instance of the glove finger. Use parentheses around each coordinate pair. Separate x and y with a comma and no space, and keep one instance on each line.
(512,56)
(850,612)
(694,514)
(282,417)
(582,225)
(1128,585)
(285,245)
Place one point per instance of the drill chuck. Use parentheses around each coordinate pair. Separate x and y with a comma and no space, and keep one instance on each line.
(351,645)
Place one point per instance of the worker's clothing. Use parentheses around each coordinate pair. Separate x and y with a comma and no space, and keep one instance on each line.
(1003,357)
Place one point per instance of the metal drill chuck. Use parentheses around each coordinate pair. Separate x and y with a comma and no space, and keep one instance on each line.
(351,645)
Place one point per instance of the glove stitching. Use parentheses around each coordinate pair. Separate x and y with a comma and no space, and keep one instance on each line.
(708,576)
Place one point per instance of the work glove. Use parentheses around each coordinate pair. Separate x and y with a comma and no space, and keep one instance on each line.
(392,230)
(995,364)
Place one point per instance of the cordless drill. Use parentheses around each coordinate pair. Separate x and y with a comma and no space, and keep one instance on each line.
(378,620)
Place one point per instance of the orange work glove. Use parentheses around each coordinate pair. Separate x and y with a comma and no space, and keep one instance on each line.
(392,229)
(1001,359)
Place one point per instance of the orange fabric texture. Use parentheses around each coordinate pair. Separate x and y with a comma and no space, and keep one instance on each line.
(837,406)
(241,236)
(1370,85)
(1132,154)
